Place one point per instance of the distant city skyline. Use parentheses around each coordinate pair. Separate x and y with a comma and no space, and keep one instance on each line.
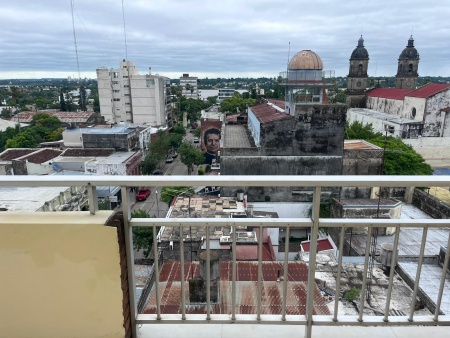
(204,39)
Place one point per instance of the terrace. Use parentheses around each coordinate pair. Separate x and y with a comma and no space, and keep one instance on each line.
(71,274)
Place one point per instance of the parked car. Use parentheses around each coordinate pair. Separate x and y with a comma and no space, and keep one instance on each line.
(157,172)
(169,159)
(142,194)
(196,139)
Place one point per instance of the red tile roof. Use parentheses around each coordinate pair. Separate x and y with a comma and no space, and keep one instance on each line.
(264,112)
(389,93)
(428,90)
(322,245)
(41,156)
(11,154)
(246,285)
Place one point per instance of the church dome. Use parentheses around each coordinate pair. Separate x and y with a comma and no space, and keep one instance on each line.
(409,52)
(360,52)
(306,59)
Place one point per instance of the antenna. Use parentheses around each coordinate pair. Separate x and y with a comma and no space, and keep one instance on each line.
(124,32)
(75,39)
(412,29)
(289,52)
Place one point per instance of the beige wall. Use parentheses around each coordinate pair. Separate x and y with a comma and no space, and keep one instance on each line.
(60,275)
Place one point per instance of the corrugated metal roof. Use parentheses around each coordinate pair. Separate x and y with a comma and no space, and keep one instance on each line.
(389,93)
(246,289)
(267,112)
(428,90)
(359,145)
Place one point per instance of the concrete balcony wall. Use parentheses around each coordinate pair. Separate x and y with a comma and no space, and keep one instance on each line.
(61,275)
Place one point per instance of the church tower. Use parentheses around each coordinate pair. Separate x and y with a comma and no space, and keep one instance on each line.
(408,65)
(357,76)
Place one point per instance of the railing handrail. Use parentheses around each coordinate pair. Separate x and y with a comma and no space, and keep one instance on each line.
(227,181)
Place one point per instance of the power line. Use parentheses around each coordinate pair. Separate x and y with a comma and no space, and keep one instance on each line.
(124,32)
(75,38)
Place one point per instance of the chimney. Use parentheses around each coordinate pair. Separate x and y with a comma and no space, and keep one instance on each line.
(197,286)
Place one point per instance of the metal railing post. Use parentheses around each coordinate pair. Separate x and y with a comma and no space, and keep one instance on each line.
(183,286)
(233,276)
(93,199)
(128,232)
(285,272)
(312,262)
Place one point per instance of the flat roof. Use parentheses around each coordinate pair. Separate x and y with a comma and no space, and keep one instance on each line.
(117,129)
(383,116)
(28,198)
(236,136)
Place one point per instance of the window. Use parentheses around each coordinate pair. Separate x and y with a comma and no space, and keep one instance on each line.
(115,82)
(127,103)
(413,112)
(127,94)
(115,75)
(116,91)
(410,68)
(125,77)
(126,86)
(116,99)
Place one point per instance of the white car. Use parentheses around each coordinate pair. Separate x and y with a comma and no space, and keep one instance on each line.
(196,139)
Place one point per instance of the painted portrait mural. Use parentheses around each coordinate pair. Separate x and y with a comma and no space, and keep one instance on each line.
(210,138)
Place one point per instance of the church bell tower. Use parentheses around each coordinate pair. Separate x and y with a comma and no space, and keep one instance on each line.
(408,65)
(357,76)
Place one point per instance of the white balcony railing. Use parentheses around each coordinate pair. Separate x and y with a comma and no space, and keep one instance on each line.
(309,320)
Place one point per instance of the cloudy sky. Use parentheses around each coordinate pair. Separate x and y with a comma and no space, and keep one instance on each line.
(226,38)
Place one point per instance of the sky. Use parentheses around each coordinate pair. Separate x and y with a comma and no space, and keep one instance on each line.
(212,38)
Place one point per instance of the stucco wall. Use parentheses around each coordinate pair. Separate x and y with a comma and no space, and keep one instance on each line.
(60,276)
(433,149)
(433,116)
(414,102)
(388,106)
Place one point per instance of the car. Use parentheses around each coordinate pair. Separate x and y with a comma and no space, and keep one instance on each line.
(169,159)
(142,194)
(157,172)
(196,139)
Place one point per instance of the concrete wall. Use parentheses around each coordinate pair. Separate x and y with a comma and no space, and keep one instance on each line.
(433,149)
(431,205)
(388,106)
(72,139)
(61,276)
(414,102)
(116,141)
(433,117)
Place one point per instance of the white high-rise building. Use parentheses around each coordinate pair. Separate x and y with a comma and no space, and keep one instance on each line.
(189,86)
(126,96)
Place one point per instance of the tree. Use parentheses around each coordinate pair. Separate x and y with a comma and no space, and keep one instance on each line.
(169,193)
(190,156)
(149,164)
(178,129)
(62,102)
(83,98)
(142,236)
(236,103)
(23,140)
(399,158)
(6,113)
(212,100)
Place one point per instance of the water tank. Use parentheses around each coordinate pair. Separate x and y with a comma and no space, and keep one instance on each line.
(386,252)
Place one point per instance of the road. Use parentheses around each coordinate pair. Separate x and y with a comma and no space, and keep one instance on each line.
(150,205)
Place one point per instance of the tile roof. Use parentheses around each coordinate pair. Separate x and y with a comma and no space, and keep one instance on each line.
(322,245)
(11,154)
(359,145)
(246,289)
(389,93)
(428,90)
(41,156)
(273,110)
(65,117)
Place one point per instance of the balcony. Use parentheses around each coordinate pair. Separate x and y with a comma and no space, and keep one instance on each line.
(67,274)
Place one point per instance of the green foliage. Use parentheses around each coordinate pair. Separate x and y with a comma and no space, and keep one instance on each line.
(103,204)
(23,140)
(6,135)
(201,171)
(149,164)
(207,168)
(212,100)
(235,103)
(160,145)
(352,294)
(190,156)
(179,129)
(62,102)
(193,108)
(400,158)
(169,193)
(142,236)
(197,132)
(46,121)
(324,212)
(6,113)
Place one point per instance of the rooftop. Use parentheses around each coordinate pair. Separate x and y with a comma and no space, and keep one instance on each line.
(270,111)
(236,136)
(13,153)
(65,117)
(117,129)
(388,93)
(41,155)
(383,116)
(246,289)
(428,90)
(27,198)
(359,145)
(88,152)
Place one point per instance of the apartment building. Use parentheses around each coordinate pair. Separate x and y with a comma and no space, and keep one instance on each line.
(127,96)
(189,86)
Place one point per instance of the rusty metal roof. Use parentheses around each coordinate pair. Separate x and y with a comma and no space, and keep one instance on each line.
(360,145)
(246,289)
(65,117)
(41,156)
(266,112)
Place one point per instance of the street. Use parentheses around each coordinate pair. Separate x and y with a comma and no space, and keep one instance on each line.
(150,205)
